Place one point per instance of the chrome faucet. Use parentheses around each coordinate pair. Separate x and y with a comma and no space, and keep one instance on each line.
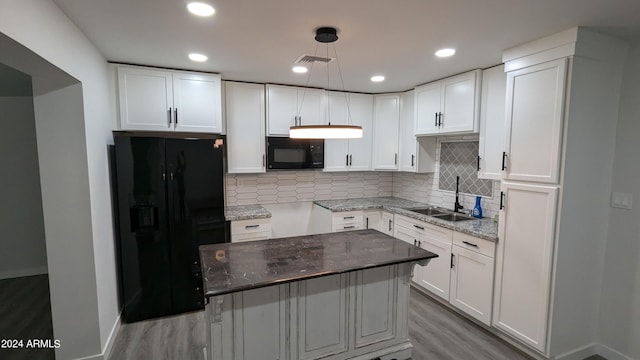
(457,205)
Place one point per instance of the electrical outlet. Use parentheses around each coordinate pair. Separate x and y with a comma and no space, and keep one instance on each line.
(622,200)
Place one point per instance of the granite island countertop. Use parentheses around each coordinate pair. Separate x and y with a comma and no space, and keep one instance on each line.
(245,212)
(485,228)
(232,267)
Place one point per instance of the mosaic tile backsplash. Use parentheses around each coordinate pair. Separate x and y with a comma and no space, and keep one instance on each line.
(291,186)
(459,159)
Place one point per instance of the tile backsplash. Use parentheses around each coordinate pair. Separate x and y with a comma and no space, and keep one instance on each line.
(458,159)
(309,185)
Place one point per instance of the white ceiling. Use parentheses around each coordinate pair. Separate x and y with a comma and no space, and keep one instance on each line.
(258,40)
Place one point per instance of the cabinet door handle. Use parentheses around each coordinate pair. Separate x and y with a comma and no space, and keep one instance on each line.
(169,117)
(263,160)
(415,242)
(252,226)
(470,244)
(418,227)
(439,119)
(366,223)
(436,121)
(412,160)
(389,224)
(348,217)
(504,159)
(478,162)
(175,112)
(350,160)
(349,227)
(347,160)
(420,243)
(395,160)
(501,200)
(452,260)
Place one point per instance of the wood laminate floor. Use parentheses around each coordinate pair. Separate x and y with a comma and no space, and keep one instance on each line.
(435,332)
(25,314)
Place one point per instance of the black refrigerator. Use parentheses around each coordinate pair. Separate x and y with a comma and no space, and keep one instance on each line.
(170,200)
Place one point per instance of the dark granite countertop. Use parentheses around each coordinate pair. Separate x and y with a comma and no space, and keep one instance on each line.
(245,212)
(483,228)
(232,267)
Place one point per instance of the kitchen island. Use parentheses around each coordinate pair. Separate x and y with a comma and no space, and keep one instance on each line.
(332,296)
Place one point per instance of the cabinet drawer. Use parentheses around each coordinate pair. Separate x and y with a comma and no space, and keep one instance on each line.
(251,226)
(251,237)
(348,217)
(481,246)
(347,227)
(432,231)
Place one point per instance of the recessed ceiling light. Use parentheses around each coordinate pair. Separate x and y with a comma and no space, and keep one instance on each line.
(200,9)
(299,69)
(445,52)
(198,57)
(377,78)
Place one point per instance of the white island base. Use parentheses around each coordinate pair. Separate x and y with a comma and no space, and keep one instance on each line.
(355,315)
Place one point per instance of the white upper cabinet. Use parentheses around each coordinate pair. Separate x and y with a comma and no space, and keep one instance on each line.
(386,121)
(160,100)
(245,115)
(492,123)
(349,154)
(415,154)
(535,103)
(448,106)
(285,103)
(427,108)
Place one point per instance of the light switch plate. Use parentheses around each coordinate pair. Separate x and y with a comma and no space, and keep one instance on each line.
(621,200)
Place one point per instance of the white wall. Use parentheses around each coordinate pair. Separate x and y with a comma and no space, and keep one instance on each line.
(74,172)
(22,244)
(620,301)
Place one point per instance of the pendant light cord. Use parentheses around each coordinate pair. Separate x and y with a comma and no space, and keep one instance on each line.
(304,92)
(346,98)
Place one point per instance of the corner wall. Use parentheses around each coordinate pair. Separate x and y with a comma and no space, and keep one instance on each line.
(22,245)
(76,196)
(619,325)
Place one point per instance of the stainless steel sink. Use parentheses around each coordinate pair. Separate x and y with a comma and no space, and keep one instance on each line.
(429,211)
(453,217)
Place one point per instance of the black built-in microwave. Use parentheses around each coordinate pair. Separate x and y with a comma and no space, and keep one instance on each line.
(284,153)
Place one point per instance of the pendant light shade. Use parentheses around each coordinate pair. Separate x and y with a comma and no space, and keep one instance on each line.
(325,132)
(326,35)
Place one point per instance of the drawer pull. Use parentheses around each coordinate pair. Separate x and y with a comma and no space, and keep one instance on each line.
(349,227)
(251,226)
(470,244)
(348,217)
(418,227)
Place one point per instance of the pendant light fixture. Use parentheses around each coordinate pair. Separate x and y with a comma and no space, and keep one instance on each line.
(325,35)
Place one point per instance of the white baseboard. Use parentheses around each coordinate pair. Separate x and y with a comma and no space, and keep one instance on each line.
(593,349)
(112,338)
(612,354)
(106,352)
(10,274)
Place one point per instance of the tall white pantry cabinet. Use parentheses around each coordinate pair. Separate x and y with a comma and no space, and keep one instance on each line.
(561,110)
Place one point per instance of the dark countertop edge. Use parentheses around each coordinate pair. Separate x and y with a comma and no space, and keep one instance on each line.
(317,275)
(246,217)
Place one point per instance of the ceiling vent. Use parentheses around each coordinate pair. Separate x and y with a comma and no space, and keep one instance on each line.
(309,59)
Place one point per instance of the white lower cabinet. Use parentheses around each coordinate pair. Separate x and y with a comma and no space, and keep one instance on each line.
(265,339)
(356,315)
(322,313)
(435,276)
(472,266)
(462,274)
(249,230)
(524,261)
(372,219)
(347,221)
(386,223)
